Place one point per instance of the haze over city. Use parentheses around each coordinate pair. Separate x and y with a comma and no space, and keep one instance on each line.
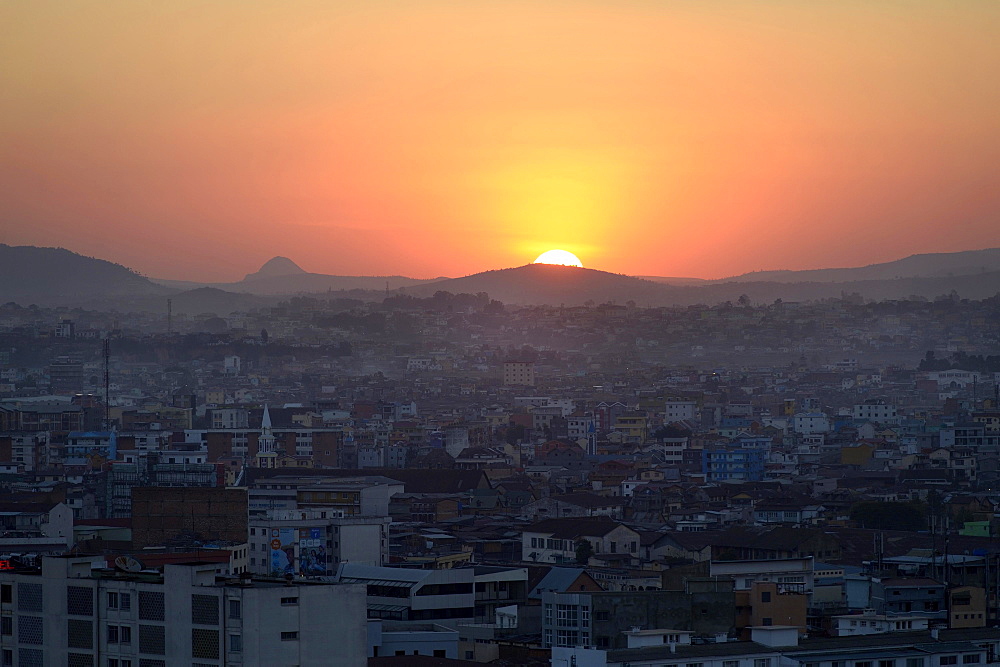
(193,140)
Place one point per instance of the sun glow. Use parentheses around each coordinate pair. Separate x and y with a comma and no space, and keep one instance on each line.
(560,257)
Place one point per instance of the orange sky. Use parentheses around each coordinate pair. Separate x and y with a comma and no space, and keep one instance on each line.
(198,139)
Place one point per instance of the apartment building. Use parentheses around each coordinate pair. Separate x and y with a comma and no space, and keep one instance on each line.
(73,611)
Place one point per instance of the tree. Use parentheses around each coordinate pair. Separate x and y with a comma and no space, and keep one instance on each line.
(584,550)
(744,300)
(263,336)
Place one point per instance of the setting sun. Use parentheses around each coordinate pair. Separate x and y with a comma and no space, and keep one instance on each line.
(560,257)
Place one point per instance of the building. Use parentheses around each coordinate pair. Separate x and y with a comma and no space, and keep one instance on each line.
(403,594)
(677,409)
(870,623)
(791,575)
(73,611)
(151,469)
(164,514)
(555,540)
(601,619)
(518,373)
(728,464)
(362,496)
(313,542)
(876,411)
(65,376)
(778,646)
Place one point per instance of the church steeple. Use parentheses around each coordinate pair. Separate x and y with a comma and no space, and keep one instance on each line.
(266,441)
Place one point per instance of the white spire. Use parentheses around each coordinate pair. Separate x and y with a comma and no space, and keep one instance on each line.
(265,443)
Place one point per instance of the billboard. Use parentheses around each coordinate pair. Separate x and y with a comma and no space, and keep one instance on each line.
(312,552)
(283,550)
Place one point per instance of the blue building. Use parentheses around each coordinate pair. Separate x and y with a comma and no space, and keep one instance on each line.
(733,463)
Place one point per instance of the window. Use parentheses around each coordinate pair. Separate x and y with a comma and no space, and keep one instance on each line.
(6,593)
(864,663)
(235,643)
(948,660)
(125,600)
(289,636)
(914,662)
(6,626)
(602,616)
(765,596)
(235,609)
(767,620)
(289,601)
(730,663)
(112,600)
(119,634)
(566,615)
(762,662)
(971,659)
(566,638)
(886,663)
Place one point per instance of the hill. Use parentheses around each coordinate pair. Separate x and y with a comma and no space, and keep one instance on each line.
(282,276)
(930,265)
(55,276)
(276,266)
(552,284)
(556,285)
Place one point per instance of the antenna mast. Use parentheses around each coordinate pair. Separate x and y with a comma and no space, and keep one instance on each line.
(107,383)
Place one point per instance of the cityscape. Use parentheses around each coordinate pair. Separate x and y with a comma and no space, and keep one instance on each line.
(508,334)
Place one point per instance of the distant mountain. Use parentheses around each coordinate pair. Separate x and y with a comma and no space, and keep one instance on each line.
(281,275)
(276,266)
(555,285)
(54,276)
(552,284)
(674,281)
(930,265)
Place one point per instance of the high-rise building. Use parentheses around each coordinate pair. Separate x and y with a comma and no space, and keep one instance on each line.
(73,611)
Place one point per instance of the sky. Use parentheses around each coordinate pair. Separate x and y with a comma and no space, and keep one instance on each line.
(196,140)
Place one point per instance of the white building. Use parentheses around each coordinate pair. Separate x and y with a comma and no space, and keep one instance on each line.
(555,540)
(873,624)
(77,613)
(231,364)
(795,575)
(678,409)
(811,422)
